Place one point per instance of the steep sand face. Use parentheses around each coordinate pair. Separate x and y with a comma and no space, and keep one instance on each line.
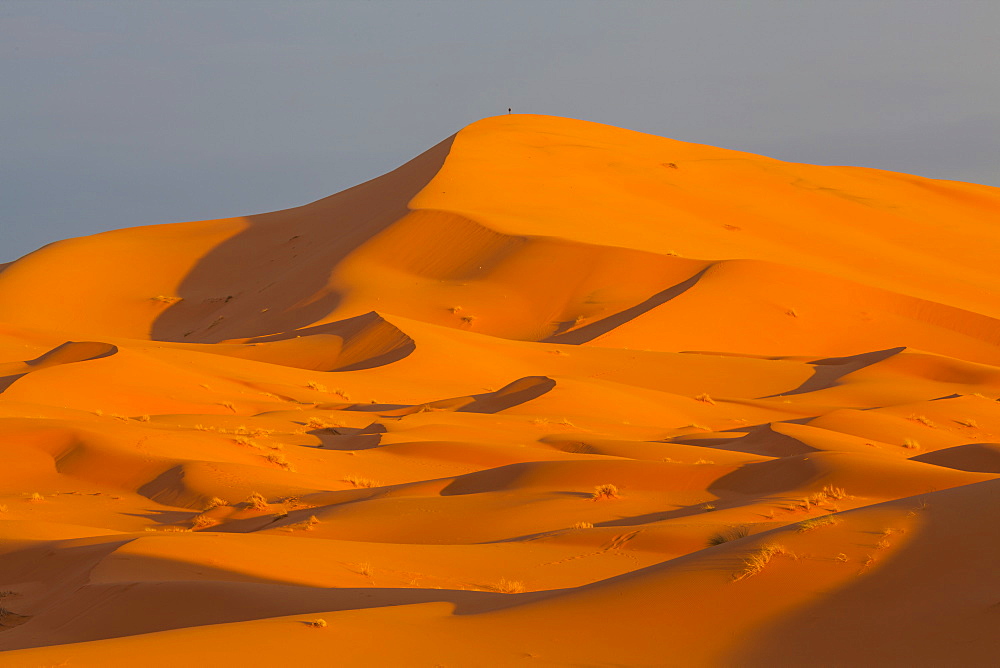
(551,391)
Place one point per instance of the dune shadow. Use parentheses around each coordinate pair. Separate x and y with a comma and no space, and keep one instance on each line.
(762,440)
(657,516)
(630,521)
(827,372)
(274,275)
(971,457)
(7,381)
(590,332)
(367,341)
(212,602)
(165,516)
(65,353)
(383,359)
(329,441)
(516,393)
(513,394)
(75,351)
(402,409)
(710,443)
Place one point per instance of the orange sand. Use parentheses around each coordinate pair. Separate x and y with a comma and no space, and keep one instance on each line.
(422,381)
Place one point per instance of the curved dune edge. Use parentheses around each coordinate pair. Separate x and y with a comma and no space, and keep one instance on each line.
(550,391)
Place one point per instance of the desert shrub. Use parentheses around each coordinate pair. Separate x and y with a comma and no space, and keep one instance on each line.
(606,491)
(755,562)
(256,501)
(817,522)
(359,481)
(505,586)
(732,533)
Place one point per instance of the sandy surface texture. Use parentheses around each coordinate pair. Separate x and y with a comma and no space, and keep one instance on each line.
(550,394)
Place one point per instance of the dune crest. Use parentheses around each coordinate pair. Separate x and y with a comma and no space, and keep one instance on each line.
(550,390)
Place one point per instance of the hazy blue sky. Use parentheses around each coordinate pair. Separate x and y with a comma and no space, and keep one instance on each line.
(114,114)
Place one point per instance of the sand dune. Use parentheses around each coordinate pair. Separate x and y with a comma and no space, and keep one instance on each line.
(551,391)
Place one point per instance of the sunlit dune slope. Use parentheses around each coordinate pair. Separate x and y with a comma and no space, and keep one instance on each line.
(550,392)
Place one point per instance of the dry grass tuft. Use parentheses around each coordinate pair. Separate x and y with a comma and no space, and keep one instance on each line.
(817,522)
(216,502)
(359,481)
(505,586)
(256,501)
(827,496)
(841,557)
(317,623)
(705,398)
(707,507)
(606,491)
(817,498)
(868,563)
(35,496)
(968,423)
(278,459)
(834,493)
(313,385)
(732,533)
(911,444)
(308,525)
(365,569)
(703,461)
(203,522)
(755,562)
(249,442)
(922,419)
(583,525)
